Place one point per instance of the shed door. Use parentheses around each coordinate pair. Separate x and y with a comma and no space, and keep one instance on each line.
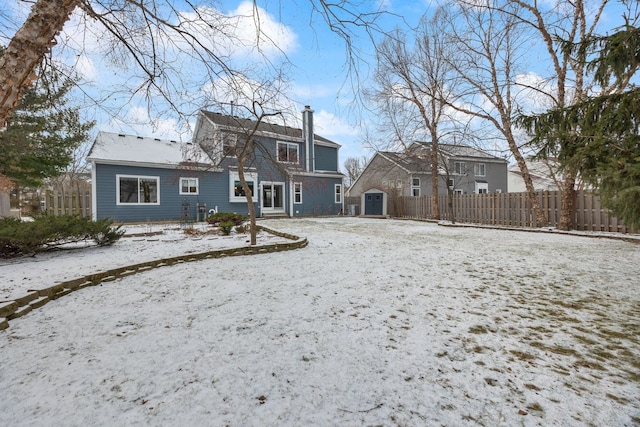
(373,204)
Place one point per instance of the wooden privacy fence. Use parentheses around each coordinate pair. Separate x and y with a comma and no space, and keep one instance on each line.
(58,202)
(511,210)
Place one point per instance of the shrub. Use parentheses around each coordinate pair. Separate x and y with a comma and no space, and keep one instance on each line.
(225,227)
(51,232)
(220,217)
(242,229)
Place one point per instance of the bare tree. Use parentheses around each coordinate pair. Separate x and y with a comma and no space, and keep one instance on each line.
(487,43)
(145,35)
(570,23)
(353,167)
(413,80)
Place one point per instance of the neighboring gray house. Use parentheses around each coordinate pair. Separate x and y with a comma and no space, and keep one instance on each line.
(464,169)
(294,173)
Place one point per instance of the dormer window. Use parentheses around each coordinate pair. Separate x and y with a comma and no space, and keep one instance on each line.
(287,152)
(229,144)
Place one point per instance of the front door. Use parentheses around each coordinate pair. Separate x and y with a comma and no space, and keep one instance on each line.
(272,197)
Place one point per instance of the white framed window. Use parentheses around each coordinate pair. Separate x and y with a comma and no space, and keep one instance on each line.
(451,183)
(482,188)
(459,168)
(458,191)
(498,190)
(479,169)
(297,192)
(236,192)
(137,190)
(338,193)
(287,152)
(415,187)
(189,186)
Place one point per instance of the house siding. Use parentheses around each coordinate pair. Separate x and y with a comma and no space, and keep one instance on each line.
(326,158)
(213,191)
(318,196)
(216,183)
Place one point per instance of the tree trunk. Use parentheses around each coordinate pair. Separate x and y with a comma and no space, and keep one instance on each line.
(27,49)
(434,175)
(568,201)
(249,195)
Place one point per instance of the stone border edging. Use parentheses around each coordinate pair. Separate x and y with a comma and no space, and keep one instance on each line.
(36,298)
(541,230)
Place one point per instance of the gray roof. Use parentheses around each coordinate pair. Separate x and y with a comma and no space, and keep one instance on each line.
(242,123)
(411,162)
(417,157)
(455,151)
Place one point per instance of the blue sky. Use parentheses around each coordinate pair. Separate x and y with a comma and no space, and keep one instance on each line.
(317,71)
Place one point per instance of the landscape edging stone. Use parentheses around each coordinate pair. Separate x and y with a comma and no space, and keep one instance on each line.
(36,298)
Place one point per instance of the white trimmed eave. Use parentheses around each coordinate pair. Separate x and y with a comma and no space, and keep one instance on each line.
(201,167)
(318,174)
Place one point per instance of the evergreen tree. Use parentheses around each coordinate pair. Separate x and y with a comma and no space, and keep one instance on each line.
(599,135)
(42,133)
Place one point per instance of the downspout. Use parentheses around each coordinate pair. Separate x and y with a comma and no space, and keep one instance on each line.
(94,191)
(291,196)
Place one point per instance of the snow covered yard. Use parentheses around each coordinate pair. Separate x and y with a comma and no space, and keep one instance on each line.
(376,322)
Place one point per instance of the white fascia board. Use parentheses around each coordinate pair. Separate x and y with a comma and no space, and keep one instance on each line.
(318,174)
(211,167)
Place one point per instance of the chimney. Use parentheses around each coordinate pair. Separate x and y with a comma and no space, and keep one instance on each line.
(307,134)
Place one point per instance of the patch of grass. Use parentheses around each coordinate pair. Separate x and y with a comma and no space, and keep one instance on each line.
(478,329)
(585,340)
(618,399)
(522,355)
(615,334)
(535,407)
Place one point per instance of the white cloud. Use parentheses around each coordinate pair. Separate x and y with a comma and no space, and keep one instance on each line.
(329,125)
(244,32)
(138,122)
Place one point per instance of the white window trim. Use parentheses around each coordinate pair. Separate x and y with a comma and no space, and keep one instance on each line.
(458,191)
(482,186)
(296,192)
(451,183)
(288,144)
(415,187)
(476,169)
(249,177)
(462,169)
(337,193)
(188,193)
(119,203)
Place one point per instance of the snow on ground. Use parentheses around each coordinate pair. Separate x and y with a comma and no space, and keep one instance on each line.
(141,243)
(376,322)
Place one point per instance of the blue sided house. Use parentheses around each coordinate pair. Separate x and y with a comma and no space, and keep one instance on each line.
(291,172)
